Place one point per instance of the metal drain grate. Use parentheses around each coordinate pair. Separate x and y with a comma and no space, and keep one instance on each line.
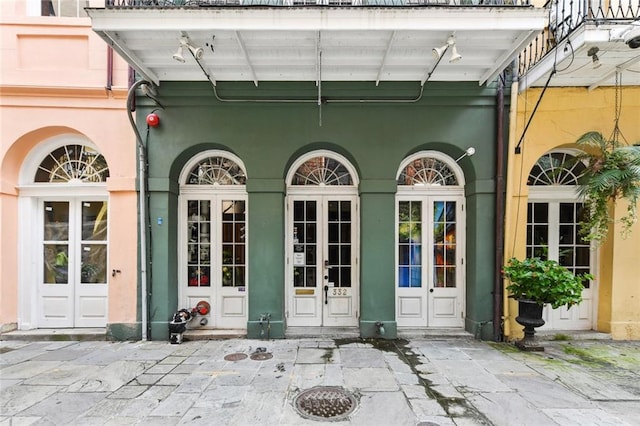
(238,356)
(325,403)
(261,356)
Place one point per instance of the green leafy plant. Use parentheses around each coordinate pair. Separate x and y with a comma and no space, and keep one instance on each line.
(544,281)
(613,173)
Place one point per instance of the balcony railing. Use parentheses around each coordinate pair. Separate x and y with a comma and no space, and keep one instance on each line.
(565,16)
(285,3)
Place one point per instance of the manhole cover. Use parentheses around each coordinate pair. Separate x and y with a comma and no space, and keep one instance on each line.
(261,356)
(325,403)
(235,357)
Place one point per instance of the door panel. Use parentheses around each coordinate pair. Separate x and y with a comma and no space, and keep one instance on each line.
(73,292)
(322,253)
(215,252)
(553,233)
(430,275)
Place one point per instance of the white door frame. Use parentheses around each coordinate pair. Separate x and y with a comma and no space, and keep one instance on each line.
(556,182)
(229,305)
(307,307)
(584,315)
(30,198)
(313,306)
(428,306)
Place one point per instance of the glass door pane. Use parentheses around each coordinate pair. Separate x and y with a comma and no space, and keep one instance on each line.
(444,244)
(93,259)
(305,243)
(56,242)
(199,245)
(233,243)
(410,244)
(339,243)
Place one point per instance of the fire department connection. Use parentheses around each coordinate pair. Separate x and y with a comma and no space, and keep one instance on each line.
(179,321)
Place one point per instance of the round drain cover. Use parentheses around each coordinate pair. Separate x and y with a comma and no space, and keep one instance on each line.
(235,357)
(261,356)
(325,403)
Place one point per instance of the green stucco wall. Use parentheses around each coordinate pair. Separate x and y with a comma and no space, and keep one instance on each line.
(375,134)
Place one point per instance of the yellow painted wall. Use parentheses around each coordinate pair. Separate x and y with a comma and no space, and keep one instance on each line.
(564,114)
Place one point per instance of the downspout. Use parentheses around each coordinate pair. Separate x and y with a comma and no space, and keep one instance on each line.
(142,207)
(510,196)
(109,68)
(499,224)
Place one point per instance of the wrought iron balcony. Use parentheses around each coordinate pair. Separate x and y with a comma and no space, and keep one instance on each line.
(568,18)
(285,3)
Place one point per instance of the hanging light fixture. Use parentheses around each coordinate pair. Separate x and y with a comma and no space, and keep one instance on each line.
(593,53)
(197,52)
(439,51)
(178,55)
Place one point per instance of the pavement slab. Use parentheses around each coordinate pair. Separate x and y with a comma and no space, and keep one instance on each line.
(422,382)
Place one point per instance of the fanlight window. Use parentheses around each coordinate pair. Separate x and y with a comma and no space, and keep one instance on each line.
(556,168)
(427,171)
(322,171)
(216,171)
(73,163)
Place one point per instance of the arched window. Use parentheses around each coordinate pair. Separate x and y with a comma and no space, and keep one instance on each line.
(216,170)
(556,168)
(322,171)
(427,171)
(72,163)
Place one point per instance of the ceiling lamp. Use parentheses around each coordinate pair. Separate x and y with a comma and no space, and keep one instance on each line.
(593,53)
(197,52)
(439,51)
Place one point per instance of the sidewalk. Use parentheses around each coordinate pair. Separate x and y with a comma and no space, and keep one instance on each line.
(423,381)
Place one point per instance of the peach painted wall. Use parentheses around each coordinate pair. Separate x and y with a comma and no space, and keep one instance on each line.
(53,77)
(563,116)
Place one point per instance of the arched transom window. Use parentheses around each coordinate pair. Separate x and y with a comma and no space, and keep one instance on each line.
(72,163)
(322,171)
(425,171)
(216,170)
(556,168)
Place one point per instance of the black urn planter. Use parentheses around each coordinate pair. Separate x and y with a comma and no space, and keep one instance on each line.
(530,317)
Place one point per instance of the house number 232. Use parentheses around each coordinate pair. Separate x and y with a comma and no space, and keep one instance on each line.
(339,292)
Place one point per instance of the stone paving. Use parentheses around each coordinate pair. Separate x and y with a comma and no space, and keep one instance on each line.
(423,381)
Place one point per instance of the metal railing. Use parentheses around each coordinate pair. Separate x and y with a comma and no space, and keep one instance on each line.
(565,16)
(285,3)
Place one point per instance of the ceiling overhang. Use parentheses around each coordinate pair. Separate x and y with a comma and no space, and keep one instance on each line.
(319,43)
(573,64)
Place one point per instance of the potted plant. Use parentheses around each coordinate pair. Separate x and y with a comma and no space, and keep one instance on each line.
(536,282)
(612,173)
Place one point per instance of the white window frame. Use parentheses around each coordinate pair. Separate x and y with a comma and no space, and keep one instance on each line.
(553,196)
(426,194)
(215,193)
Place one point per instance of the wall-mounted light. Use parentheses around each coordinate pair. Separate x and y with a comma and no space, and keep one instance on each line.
(439,51)
(468,153)
(197,52)
(593,53)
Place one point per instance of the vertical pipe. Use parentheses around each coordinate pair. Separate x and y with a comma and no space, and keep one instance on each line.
(499,225)
(109,67)
(142,207)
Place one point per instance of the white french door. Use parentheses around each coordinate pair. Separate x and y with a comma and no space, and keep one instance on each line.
(213,258)
(430,270)
(553,233)
(322,270)
(72,284)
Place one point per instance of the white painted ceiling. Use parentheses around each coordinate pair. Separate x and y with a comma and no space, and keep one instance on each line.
(319,43)
(574,66)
